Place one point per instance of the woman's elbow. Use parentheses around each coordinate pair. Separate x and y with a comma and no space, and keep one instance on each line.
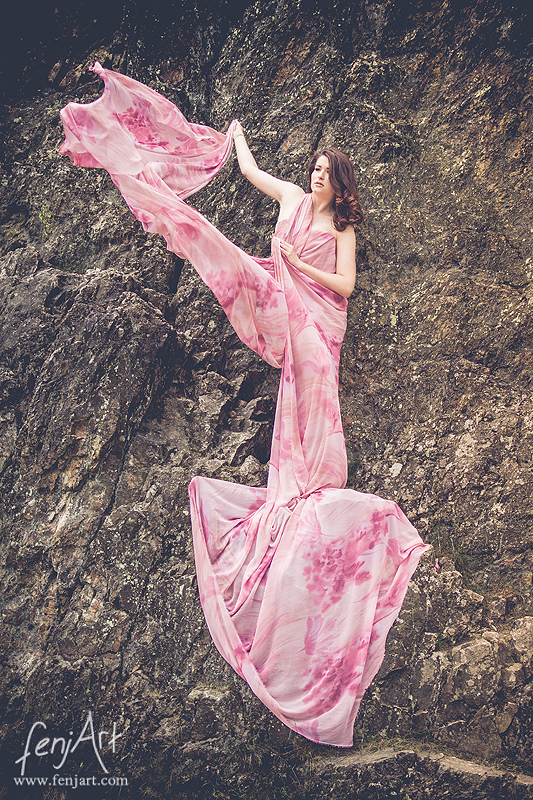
(249,170)
(346,276)
(346,288)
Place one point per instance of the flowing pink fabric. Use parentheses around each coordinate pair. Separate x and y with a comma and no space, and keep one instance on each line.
(300,582)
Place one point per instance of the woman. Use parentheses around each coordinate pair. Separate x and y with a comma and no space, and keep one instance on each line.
(324,196)
(301,581)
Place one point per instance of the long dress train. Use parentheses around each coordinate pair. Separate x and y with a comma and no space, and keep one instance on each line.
(300,582)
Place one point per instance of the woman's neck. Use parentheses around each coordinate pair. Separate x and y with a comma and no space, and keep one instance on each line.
(323,205)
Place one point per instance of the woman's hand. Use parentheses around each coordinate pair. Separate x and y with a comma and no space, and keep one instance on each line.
(238,130)
(290,253)
(342,280)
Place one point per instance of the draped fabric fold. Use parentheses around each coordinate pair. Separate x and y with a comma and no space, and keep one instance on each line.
(300,581)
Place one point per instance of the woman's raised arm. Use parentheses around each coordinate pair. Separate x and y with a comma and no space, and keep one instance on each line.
(282,191)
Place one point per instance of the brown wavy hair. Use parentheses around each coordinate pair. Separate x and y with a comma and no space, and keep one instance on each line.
(342,178)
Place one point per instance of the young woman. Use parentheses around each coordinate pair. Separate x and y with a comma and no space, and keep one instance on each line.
(301,581)
(335,208)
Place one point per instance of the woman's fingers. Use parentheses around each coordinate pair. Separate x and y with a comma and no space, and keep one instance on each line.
(289,252)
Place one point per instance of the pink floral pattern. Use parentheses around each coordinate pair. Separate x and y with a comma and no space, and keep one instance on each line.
(300,582)
(135,119)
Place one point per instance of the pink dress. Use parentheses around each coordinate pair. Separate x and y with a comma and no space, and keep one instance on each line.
(300,582)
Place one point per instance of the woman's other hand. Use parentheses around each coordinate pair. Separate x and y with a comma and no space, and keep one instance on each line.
(290,253)
(343,280)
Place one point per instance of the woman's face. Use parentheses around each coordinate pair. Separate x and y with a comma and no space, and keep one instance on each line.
(320,177)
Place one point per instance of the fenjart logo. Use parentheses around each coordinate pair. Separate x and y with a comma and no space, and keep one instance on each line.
(61,746)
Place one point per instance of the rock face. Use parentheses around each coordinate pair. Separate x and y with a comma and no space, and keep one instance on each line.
(120,379)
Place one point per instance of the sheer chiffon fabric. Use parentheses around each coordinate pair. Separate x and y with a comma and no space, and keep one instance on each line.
(300,581)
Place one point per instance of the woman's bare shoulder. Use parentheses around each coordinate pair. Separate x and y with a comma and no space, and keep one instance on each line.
(291,191)
(290,197)
(345,236)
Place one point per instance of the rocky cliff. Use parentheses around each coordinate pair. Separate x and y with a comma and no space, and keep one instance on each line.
(120,379)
